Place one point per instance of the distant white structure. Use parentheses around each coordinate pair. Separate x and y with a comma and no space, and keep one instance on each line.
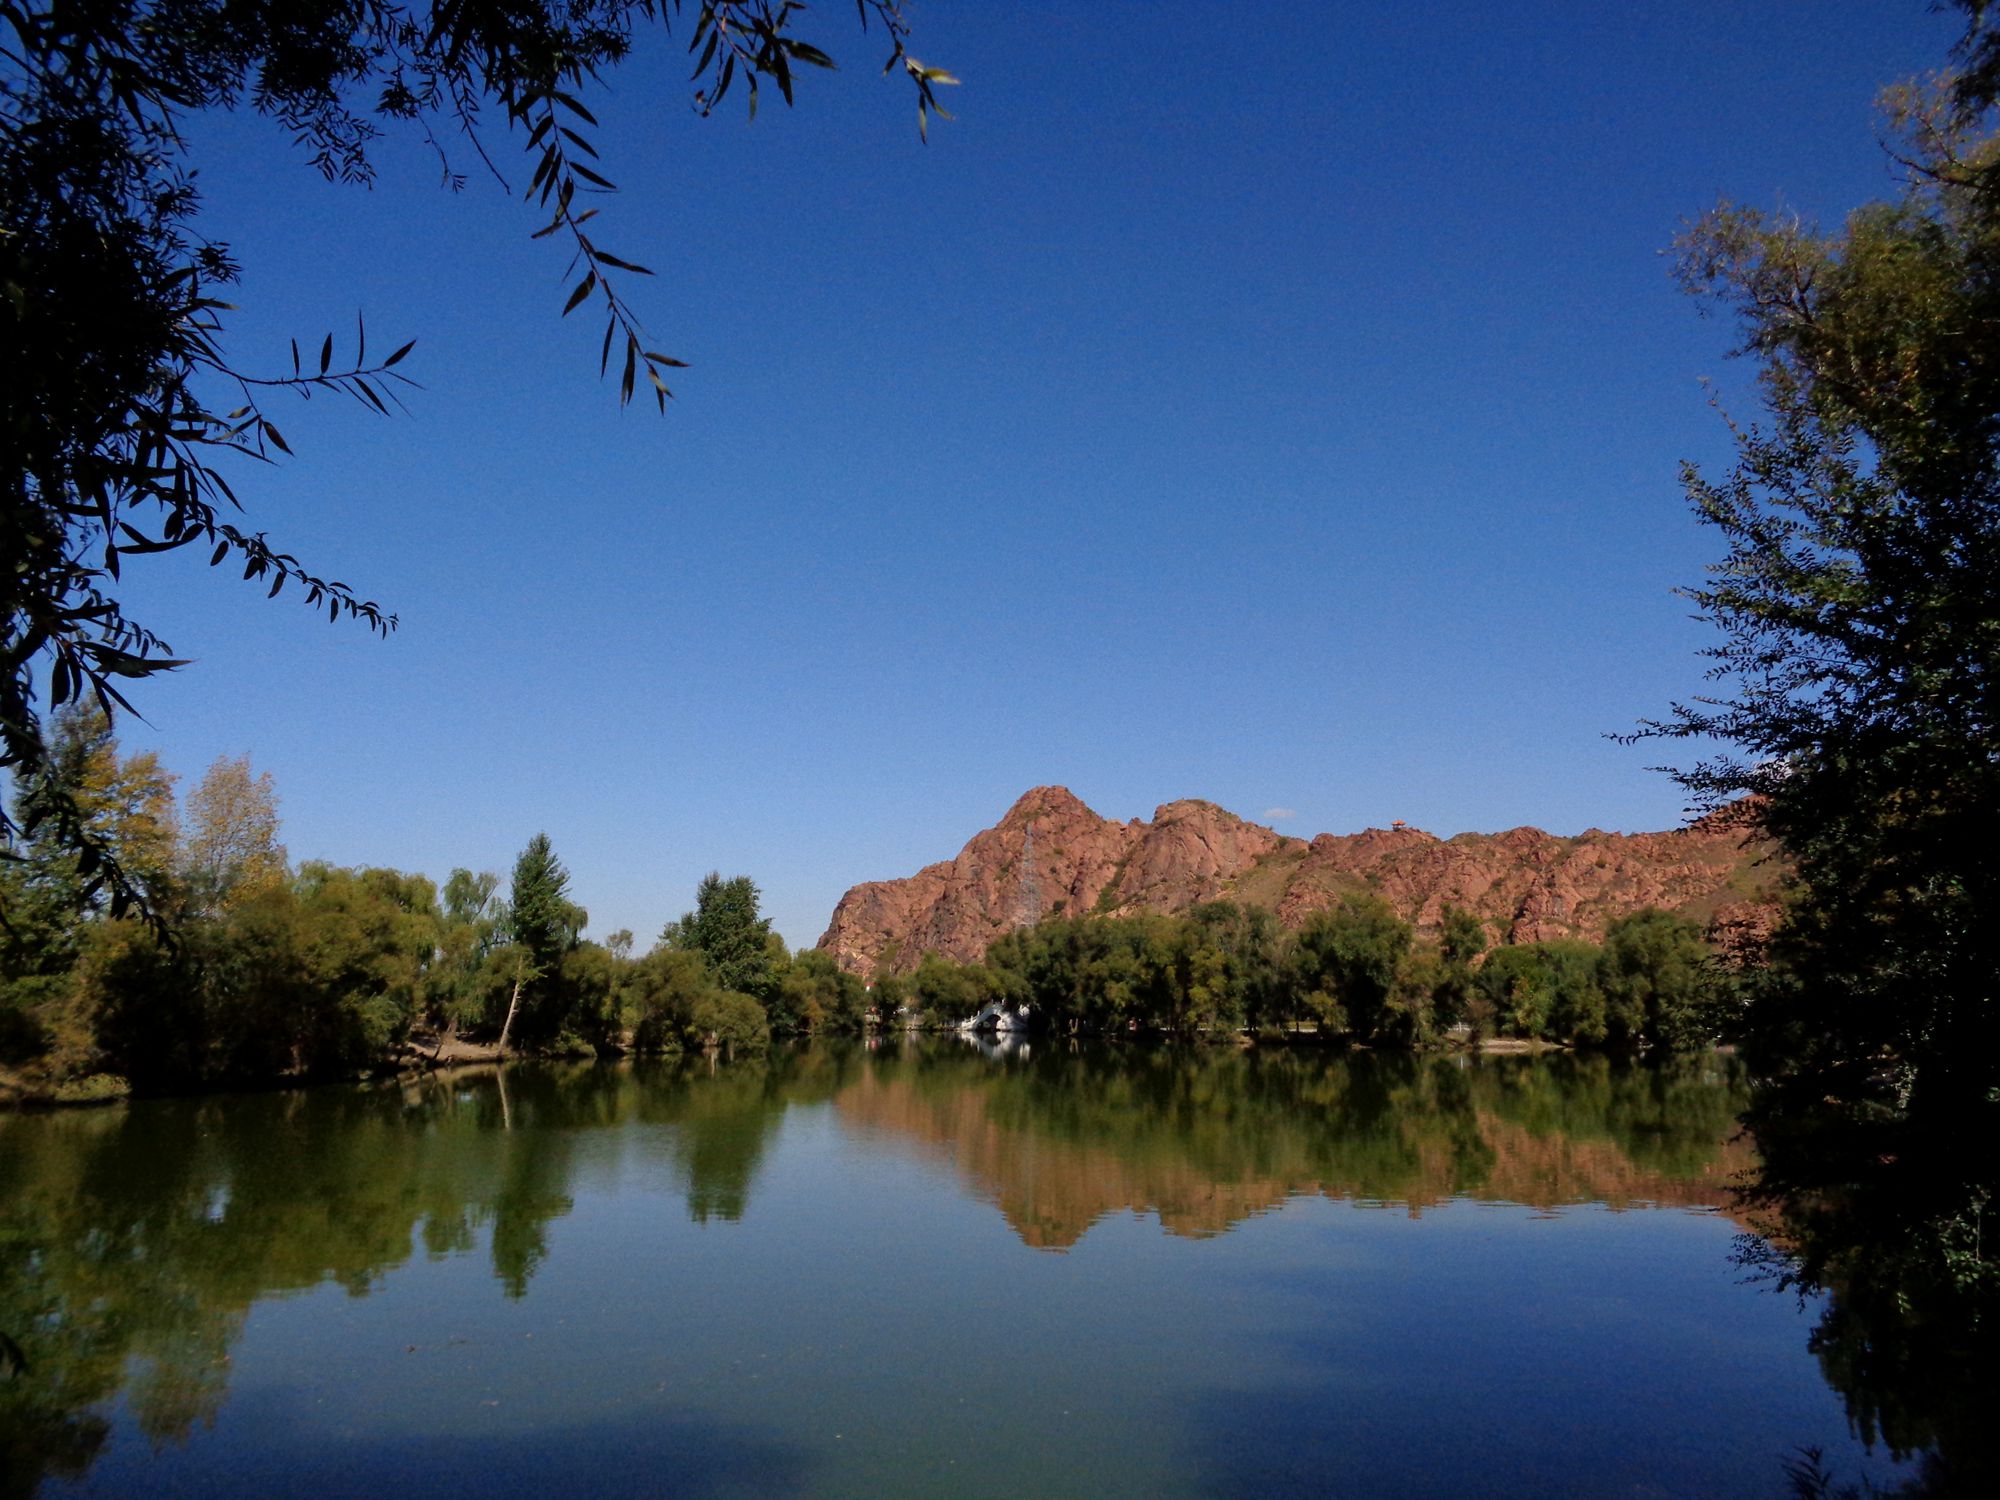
(993,1016)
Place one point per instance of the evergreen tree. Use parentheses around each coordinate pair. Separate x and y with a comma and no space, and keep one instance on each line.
(542,917)
(725,929)
(544,925)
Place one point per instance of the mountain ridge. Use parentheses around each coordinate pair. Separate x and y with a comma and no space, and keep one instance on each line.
(1525,884)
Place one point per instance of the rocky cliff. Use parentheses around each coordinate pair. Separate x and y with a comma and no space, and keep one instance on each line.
(1052,856)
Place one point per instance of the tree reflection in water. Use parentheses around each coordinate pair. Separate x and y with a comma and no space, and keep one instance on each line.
(1884,1217)
(135,1240)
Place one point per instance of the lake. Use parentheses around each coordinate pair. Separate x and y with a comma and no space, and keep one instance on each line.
(917,1269)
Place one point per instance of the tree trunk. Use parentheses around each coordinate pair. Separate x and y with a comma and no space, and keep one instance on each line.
(508,1025)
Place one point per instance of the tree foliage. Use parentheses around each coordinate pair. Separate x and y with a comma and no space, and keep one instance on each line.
(1355,973)
(663,991)
(47,905)
(816,994)
(1661,985)
(137,1246)
(1859,603)
(232,851)
(544,925)
(265,974)
(1462,940)
(726,929)
(470,930)
(1351,954)
(316,977)
(1858,701)
(113,442)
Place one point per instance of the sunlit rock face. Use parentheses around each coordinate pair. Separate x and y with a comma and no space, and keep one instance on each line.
(1527,885)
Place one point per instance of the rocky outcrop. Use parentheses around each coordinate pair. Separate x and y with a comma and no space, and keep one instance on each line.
(959,906)
(1530,886)
(1191,851)
(1052,856)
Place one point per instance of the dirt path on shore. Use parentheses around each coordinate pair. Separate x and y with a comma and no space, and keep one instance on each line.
(453,1051)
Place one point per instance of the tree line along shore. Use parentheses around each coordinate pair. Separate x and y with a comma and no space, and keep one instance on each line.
(256,970)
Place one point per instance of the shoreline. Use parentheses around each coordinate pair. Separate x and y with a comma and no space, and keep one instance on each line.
(19,1094)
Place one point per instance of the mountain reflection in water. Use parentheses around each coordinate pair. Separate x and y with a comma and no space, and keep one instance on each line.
(136,1241)
(1203,1140)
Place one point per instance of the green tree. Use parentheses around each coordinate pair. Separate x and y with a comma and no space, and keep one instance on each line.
(1662,987)
(732,1021)
(886,996)
(1577,1011)
(1517,989)
(661,995)
(1858,600)
(366,940)
(1546,991)
(726,930)
(1239,974)
(816,994)
(1461,941)
(1350,955)
(111,332)
(313,978)
(1858,701)
(589,983)
(943,992)
(467,899)
(50,897)
(1410,1018)
(540,915)
(543,925)
(470,929)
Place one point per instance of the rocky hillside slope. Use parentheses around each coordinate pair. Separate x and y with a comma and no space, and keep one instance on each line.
(1051,855)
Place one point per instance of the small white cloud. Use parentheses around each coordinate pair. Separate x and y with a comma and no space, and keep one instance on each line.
(1279,814)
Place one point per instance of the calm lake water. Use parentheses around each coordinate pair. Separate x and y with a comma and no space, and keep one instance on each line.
(919,1270)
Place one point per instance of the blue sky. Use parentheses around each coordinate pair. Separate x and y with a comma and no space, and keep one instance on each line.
(1275,404)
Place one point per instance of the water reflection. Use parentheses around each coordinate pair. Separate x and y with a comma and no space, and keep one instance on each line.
(135,1241)
(1059,1139)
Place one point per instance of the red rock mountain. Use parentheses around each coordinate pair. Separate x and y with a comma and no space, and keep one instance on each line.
(1051,855)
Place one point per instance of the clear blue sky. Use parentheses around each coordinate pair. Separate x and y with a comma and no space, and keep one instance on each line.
(1276,404)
